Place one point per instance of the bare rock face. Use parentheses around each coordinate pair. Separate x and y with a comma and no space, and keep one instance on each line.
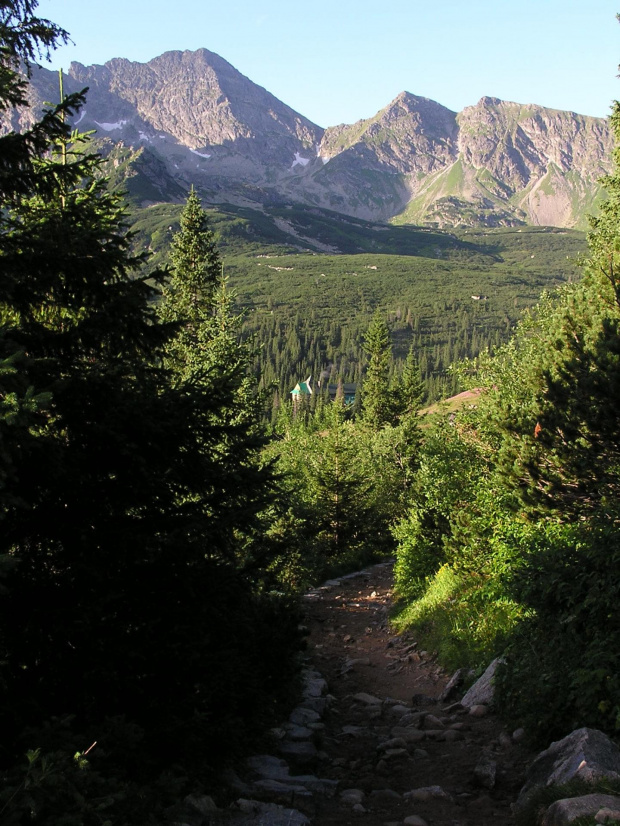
(495,163)
(529,151)
(205,121)
(412,135)
(202,102)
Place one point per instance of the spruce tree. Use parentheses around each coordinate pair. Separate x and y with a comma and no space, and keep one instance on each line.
(558,394)
(411,387)
(211,367)
(196,271)
(409,395)
(377,402)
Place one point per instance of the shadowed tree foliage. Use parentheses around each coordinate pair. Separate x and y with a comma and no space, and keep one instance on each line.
(129,481)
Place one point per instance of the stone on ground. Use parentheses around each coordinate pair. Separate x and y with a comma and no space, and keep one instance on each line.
(569,809)
(585,754)
(481,692)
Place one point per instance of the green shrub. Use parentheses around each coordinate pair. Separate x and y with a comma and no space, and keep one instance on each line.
(420,553)
(464,618)
(563,662)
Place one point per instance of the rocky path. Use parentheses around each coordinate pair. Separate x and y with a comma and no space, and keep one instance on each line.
(399,755)
(372,743)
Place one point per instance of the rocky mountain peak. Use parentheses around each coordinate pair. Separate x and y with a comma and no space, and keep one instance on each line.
(199,99)
(487,102)
(407,134)
(192,115)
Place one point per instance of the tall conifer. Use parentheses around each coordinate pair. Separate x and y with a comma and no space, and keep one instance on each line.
(377,403)
(211,365)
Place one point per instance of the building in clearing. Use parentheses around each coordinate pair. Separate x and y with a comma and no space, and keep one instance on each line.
(302,390)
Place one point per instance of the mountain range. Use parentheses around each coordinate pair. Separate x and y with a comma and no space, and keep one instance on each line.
(190,118)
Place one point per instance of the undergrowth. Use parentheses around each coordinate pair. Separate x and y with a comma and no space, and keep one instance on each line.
(459,618)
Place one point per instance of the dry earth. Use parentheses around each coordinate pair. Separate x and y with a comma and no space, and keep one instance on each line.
(351,643)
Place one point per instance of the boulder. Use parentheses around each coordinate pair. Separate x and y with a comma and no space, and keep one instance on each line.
(589,805)
(194,810)
(316,785)
(432,722)
(268,766)
(301,754)
(485,771)
(352,796)
(426,793)
(481,692)
(281,817)
(299,732)
(303,716)
(366,699)
(585,754)
(315,687)
(394,743)
(398,710)
(384,797)
(281,791)
(409,735)
(413,718)
(316,704)
(479,710)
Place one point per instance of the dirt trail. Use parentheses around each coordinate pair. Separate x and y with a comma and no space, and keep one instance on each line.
(352,645)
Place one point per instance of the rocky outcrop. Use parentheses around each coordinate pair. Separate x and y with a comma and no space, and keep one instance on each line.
(603,807)
(495,163)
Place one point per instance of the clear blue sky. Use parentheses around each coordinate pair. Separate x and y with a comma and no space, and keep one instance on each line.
(336,61)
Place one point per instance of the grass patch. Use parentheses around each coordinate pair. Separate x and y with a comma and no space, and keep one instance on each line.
(460,619)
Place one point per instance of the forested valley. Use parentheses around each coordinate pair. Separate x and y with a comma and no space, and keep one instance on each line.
(308,304)
(164,501)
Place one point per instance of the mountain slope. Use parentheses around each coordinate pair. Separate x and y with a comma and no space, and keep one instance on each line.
(374,165)
(200,122)
(518,164)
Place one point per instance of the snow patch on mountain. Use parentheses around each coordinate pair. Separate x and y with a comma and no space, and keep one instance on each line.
(300,160)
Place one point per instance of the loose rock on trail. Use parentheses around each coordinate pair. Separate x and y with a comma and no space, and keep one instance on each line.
(380,738)
(398,753)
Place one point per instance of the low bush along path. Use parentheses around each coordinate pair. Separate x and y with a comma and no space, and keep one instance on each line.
(400,754)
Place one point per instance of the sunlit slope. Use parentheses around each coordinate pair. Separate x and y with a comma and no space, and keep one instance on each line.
(309,281)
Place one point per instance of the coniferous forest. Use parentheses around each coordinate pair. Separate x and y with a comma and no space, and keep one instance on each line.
(161,515)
